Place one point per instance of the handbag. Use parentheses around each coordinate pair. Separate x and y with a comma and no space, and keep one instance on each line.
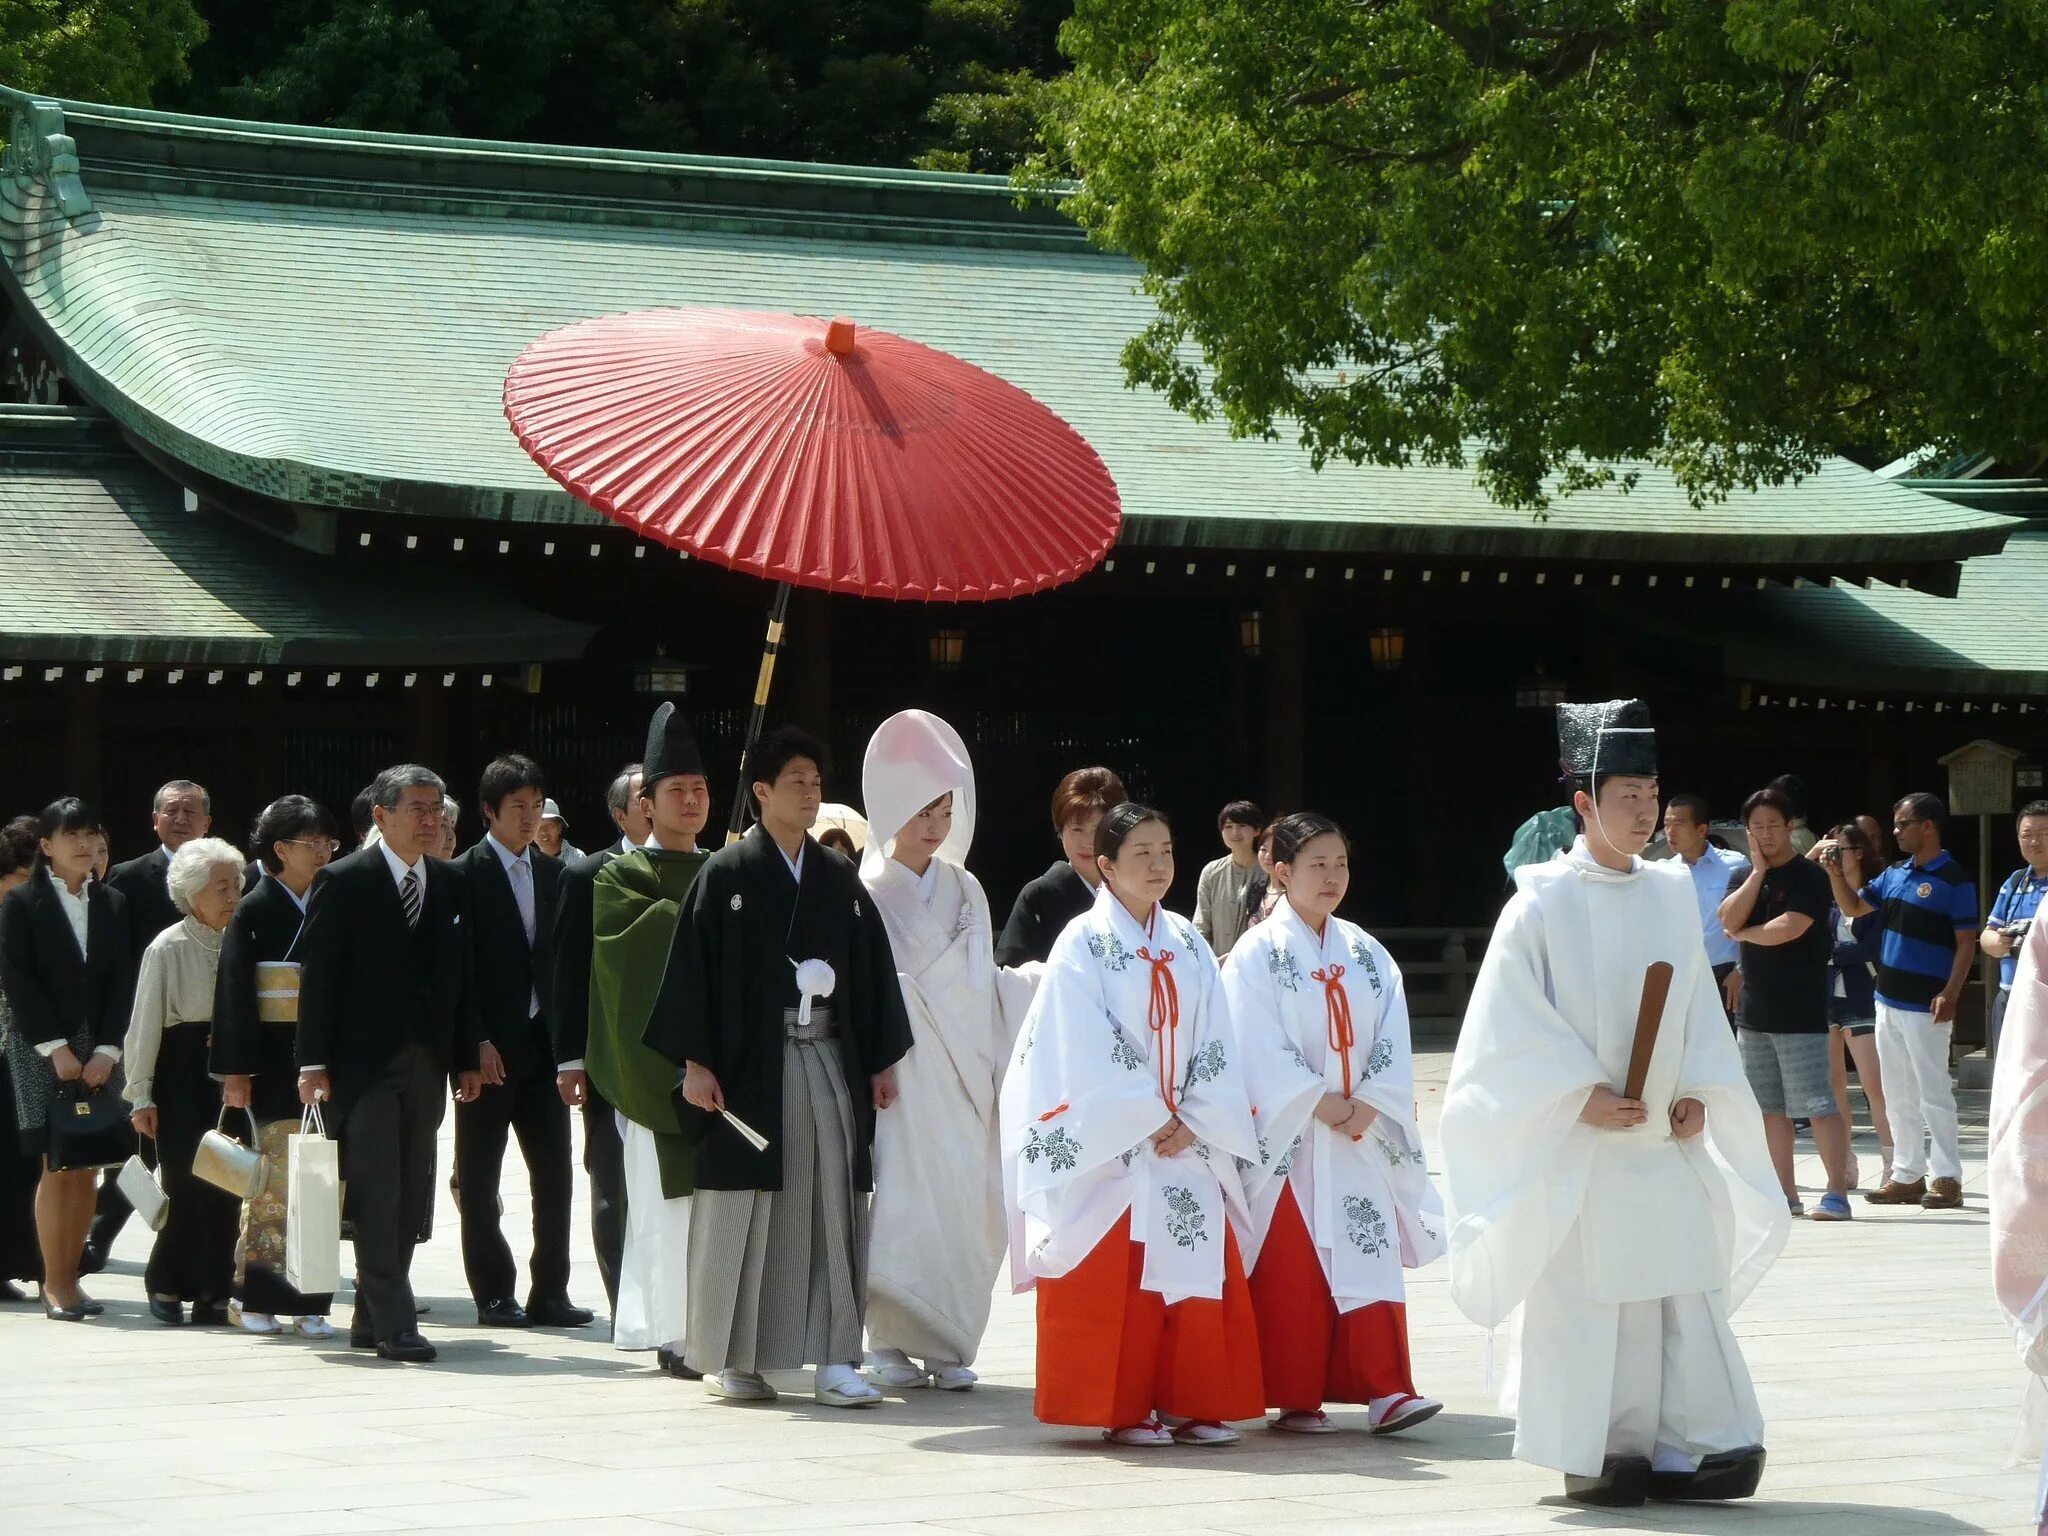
(312,1219)
(88,1128)
(144,1189)
(226,1164)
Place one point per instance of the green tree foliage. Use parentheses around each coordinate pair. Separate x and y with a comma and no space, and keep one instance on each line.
(1730,236)
(946,83)
(96,50)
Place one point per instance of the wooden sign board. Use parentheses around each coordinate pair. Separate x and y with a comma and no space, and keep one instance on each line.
(1980,779)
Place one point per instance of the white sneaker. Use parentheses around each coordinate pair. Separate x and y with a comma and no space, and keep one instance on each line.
(841,1386)
(1400,1410)
(892,1368)
(251,1322)
(950,1378)
(741,1387)
(314,1328)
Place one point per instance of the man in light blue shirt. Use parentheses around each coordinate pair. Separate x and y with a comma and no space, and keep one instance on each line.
(1714,870)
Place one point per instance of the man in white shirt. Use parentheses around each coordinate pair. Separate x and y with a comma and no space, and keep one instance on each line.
(1714,870)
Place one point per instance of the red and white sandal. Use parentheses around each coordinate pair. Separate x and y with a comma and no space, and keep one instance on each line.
(1305,1421)
(1149,1432)
(1400,1410)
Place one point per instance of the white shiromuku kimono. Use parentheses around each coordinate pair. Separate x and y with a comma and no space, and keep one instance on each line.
(2016,1177)
(1369,1203)
(938,1227)
(1089,1085)
(1625,1251)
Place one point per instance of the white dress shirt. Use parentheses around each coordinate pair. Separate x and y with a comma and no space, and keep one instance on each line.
(518,869)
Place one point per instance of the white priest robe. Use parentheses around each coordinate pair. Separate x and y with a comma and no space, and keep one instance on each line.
(653,1310)
(1096,1073)
(1625,1250)
(938,1229)
(1369,1203)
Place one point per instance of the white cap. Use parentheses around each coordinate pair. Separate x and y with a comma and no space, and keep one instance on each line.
(549,811)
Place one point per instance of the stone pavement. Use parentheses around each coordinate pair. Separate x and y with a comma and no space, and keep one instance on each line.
(1884,1370)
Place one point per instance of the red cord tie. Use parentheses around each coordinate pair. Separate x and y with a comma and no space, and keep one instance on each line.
(1338,1003)
(1162,1014)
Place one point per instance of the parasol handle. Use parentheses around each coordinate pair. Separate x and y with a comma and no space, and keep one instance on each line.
(777,613)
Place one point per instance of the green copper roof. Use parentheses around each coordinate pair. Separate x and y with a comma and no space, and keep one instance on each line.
(326,317)
(104,564)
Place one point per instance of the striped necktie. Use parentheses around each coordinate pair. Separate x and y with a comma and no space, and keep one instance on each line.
(409,897)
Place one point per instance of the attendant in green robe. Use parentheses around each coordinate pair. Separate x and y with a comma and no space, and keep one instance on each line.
(635,901)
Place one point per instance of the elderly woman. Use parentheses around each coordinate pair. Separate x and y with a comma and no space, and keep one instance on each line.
(255,1031)
(175,1100)
(68,973)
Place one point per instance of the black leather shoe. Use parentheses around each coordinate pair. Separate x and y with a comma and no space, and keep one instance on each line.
(90,1307)
(92,1260)
(1726,1475)
(71,1314)
(409,1347)
(502,1314)
(360,1334)
(1623,1483)
(9,1291)
(170,1312)
(207,1314)
(672,1362)
(557,1312)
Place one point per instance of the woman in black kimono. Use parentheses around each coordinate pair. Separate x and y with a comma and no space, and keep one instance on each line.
(253,1055)
(1064,892)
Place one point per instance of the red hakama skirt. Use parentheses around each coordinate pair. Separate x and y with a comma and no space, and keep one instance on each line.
(1112,1354)
(1313,1354)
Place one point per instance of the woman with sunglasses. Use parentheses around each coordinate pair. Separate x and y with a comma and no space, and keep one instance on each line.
(255,1030)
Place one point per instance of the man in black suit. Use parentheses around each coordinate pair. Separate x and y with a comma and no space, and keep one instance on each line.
(180,812)
(514,889)
(387,1010)
(604,1156)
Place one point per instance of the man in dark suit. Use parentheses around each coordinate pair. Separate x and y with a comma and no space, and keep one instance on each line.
(180,812)
(514,889)
(604,1158)
(387,1010)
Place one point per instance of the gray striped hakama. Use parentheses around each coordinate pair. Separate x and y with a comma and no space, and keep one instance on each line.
(778,1277)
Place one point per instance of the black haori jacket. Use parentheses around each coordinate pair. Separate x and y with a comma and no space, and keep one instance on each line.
(732,972)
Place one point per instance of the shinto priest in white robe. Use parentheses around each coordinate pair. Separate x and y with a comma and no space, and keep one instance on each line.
(1625,1250)
(938,1208)
(1368,1204)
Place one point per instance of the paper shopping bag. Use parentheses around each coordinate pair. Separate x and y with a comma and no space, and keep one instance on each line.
(312,1221)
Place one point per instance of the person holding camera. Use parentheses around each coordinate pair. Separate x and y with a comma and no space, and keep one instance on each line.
(2012,911)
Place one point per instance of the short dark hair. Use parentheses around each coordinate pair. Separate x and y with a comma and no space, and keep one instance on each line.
(1694,806)
(18,845)
(389,787)
(778,749)
(1085,790)
(2031,808)
(284,819)
(1119,822)
(1291,834)
(507,775)
(620,789)
(1769,798)
(1925,806)
(1793,788)
(1243,813)
(181,787)
(359,818)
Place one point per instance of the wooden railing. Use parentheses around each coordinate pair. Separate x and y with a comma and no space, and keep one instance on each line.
(1438,965)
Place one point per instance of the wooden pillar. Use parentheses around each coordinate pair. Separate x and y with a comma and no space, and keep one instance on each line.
(1283,645)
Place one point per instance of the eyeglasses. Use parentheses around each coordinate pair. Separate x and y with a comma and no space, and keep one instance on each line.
(1914,821)
(327,843)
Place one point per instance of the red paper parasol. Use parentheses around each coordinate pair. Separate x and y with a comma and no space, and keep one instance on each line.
(805,452)
(814,455)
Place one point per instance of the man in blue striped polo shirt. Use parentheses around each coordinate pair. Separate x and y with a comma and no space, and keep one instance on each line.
(1929,904)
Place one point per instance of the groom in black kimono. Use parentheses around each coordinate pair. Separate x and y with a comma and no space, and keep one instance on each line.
(781,1005)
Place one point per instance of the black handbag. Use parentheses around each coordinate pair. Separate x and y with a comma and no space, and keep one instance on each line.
(89,1128)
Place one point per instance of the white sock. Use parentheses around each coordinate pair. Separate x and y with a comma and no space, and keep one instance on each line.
(1667,1458)
(842,1378)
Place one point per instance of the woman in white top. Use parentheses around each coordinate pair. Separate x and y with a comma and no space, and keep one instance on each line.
(175,1098)
(938,1213)
(1355,1206)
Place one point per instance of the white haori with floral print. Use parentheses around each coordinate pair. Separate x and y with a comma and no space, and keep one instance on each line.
(1129,1028)
(1337,1007)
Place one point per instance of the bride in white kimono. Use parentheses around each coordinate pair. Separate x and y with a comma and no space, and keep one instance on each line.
(1624,1231)
(1130,1152)
(938,1227)
(1355,1205)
